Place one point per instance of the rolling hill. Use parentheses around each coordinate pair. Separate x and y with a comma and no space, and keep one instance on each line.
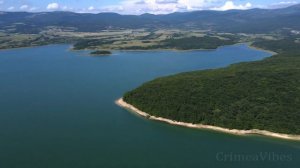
(235,21)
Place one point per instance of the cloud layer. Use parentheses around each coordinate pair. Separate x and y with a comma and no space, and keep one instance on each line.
(53,6)
(169,6)
(230,5)
(144,6)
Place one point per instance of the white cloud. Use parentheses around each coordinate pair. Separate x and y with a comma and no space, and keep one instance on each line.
(24,7)
(67,8)
(283,4)
(33,9)
(287,2)
(166,1)
(53,6)
(149,6)
(11,8)
(158,6)
(230,5)
(91,8)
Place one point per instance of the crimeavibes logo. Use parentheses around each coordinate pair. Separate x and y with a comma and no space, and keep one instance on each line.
(256,157)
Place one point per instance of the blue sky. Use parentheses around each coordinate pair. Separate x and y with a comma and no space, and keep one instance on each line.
(138,6)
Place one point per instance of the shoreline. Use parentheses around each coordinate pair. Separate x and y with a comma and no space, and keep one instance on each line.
(34,46)
(71,48)
(120,102)
(173,49)
(261,49)
(155,50)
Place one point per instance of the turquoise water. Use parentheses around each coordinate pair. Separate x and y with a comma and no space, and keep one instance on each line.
(57,111)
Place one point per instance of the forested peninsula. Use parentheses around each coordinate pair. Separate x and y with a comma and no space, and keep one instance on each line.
(262,95)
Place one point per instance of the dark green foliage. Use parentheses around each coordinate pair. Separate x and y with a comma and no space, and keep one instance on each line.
(90,43)
(101,52)
(256,95)
(279,46)
(187,43)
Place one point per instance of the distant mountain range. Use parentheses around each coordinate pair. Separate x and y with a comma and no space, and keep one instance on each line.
(235,21)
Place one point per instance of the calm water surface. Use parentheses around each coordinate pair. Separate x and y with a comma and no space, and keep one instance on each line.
(57,111)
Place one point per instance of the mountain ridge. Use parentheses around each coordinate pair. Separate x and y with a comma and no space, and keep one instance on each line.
(235,21)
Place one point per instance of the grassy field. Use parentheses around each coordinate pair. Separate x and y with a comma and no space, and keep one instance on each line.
(128,39)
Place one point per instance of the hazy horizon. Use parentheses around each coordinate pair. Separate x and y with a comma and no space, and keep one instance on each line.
(138,7)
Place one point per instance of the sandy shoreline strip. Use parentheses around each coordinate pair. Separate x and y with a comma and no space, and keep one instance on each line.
(260,49)
(127,106)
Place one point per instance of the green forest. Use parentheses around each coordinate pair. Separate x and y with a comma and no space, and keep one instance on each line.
(101,52)
(188,43)
(182,43)
(256,95)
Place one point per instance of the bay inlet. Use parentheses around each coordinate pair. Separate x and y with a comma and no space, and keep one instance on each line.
(57,109)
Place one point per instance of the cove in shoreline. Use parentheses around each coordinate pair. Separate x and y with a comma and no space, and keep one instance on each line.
(120,102)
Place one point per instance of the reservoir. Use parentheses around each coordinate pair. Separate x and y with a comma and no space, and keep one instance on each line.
(57,110)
